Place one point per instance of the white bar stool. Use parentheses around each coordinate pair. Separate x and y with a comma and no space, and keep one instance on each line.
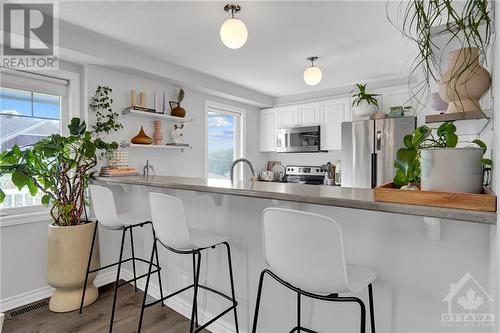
(305,253)
(103,204)
(172,231)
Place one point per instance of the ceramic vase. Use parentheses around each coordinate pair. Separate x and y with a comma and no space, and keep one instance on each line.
(363,109)
(177,110)
(68,255)
(465,81)
(157,135)
(142,138)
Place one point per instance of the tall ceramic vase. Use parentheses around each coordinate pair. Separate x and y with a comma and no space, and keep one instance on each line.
(465,81)
(157,135)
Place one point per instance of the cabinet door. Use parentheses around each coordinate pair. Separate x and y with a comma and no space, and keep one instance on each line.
(333,113)
(287,116)
(308,114)
(267,130)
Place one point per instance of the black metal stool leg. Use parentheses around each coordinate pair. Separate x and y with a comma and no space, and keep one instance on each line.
(117,281)
(195,291)
(233,295)
(195,303)
(372,314)
(88,266)
(363,317)
(158,263)
(257,303)
(147,286)
(298,312)
(133,258)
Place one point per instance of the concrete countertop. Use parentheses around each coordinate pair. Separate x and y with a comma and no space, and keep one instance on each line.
(311,194)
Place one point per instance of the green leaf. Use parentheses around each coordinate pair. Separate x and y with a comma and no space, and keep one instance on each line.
(400,179)
(486,161)
(45,199)
(481,145)
(451,140)
(32,187)
(407,140)
(20,179)
(2,196)
(76,127)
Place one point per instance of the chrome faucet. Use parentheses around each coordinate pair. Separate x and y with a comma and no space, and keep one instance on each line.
(146,168)
(238,161)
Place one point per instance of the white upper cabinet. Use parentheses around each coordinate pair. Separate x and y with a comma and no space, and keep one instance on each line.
(308,114)
(287,116)
(399,97)
(332,113)
(268,122)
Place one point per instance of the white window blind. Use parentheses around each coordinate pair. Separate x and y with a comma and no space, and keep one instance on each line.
(34,82)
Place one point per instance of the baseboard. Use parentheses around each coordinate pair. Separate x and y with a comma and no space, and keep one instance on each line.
(183,307)
(18,300)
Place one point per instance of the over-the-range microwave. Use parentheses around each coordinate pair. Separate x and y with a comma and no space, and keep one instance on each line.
(298,139)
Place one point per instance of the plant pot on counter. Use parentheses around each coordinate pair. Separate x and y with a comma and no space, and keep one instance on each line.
(452,170)
(68,254)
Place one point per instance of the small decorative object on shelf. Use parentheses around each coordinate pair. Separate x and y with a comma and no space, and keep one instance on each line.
(175,107)
(465,81)
(142,138)
(164,104)
(133,97)
(176,135)
(364,103)
(142,99)
(117,159)
(157,135)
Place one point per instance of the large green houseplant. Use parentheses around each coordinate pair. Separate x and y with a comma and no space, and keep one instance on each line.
(60,167)
(408,163)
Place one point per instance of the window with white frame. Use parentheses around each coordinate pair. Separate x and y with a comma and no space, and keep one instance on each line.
(224,138)
(31,108)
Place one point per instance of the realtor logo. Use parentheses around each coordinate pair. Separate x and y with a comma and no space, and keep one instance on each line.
(467,302)
(29,36)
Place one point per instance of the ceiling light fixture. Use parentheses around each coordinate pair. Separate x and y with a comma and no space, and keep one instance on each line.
(233,31)
(312,74)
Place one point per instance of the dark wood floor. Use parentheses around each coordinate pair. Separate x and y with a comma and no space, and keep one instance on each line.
(95,317)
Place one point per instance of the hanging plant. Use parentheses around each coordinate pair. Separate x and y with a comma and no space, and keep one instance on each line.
(471,26)
(106,118)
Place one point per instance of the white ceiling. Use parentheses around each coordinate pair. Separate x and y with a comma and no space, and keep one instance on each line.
(353,39)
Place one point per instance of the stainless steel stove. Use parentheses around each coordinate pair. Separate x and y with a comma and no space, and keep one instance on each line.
(303,174)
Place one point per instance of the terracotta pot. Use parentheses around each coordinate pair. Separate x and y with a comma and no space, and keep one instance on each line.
(68,255)
(465,81)
(157,135)
(142,138)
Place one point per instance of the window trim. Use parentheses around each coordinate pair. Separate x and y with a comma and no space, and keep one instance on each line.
(240,132)
(71,103)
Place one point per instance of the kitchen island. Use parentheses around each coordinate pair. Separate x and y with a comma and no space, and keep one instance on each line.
(311,194)
(389,238)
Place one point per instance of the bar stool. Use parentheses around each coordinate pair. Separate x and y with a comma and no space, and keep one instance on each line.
(305,254)
(103,204)
(173,233)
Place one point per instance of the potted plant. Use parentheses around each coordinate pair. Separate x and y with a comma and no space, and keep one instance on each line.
(175,106)
(364,103)
(60,167)
(437,164)
(468,24)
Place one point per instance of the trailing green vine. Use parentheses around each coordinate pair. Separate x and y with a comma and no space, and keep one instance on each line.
(106,118)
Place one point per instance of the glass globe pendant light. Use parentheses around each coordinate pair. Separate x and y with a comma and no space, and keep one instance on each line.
(312,74)
(233,31)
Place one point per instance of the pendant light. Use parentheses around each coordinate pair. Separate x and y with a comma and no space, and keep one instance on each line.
(233,31)
(312,74)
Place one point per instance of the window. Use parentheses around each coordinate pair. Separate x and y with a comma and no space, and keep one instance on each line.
(224,139)
(30,110)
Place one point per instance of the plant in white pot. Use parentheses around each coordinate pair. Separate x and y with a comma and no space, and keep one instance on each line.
(60,167)
(364,103)
(437,164)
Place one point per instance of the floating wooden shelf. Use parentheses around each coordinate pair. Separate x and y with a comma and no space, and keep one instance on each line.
(439,118)
(171,147)
(156,115)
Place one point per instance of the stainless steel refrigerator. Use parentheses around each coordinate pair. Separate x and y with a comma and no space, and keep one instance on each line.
(369,149)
